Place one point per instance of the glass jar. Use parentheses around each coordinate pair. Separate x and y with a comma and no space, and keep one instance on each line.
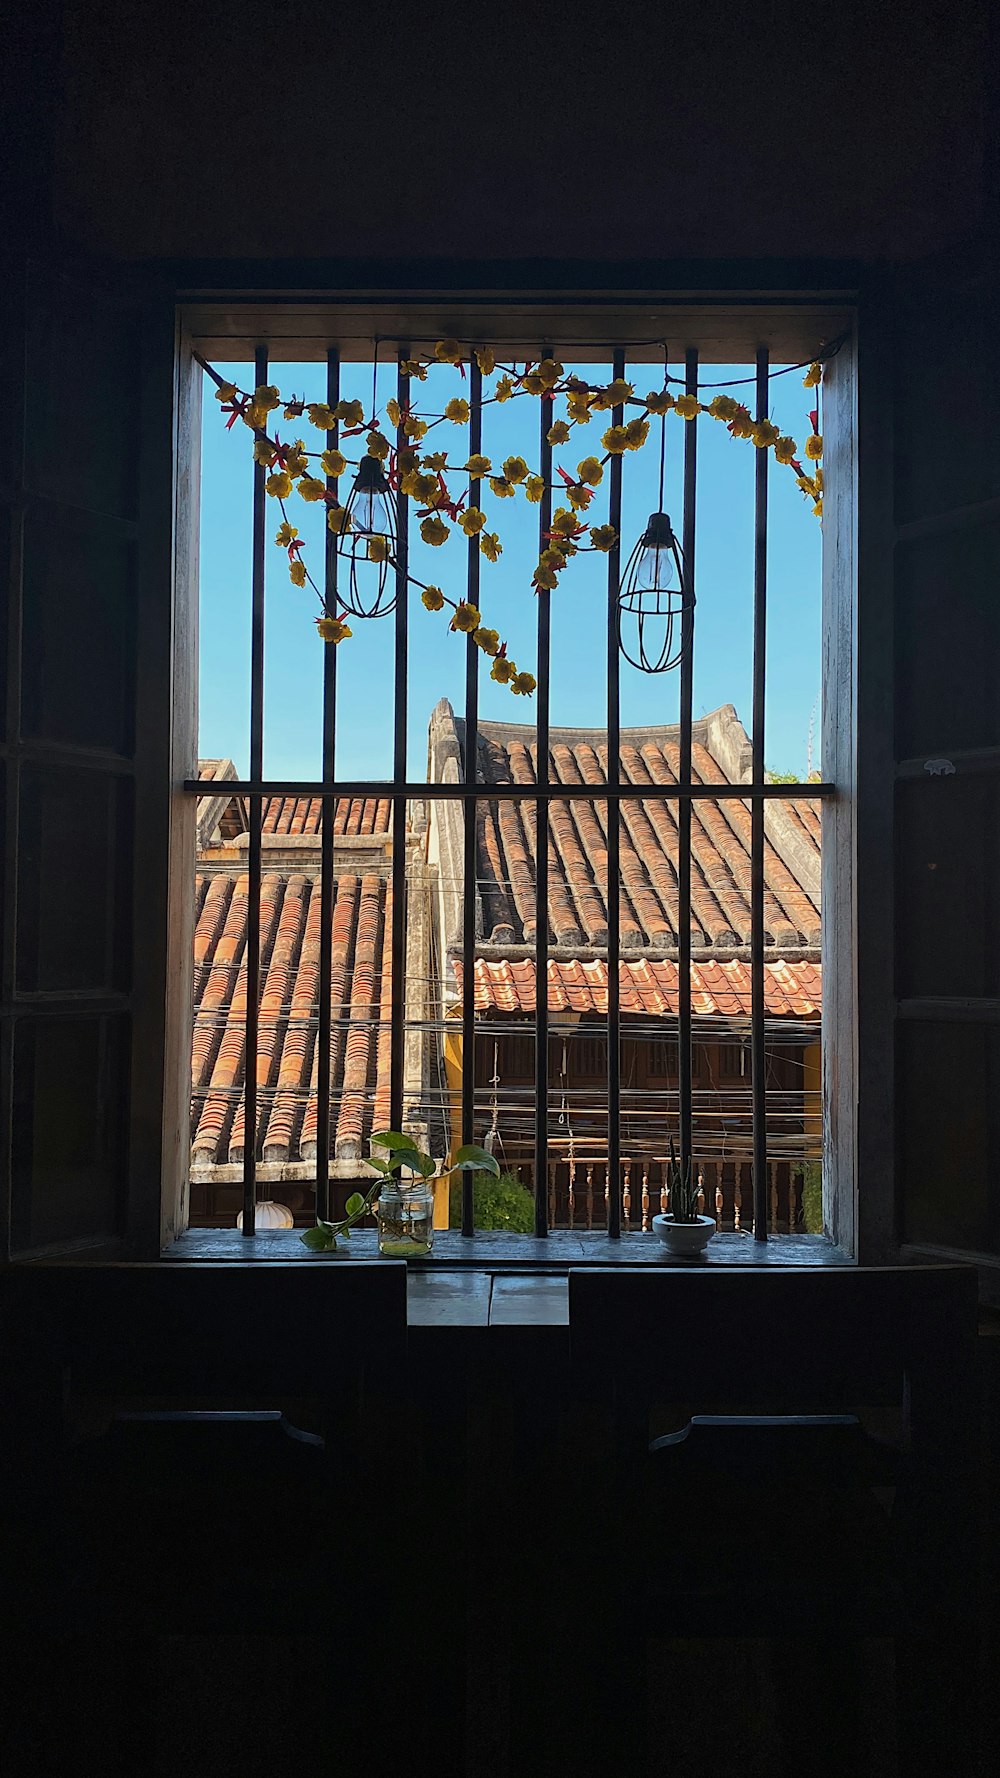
(405,1216)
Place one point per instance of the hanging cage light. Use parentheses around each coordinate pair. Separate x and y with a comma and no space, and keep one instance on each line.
(653,596)
(369,542)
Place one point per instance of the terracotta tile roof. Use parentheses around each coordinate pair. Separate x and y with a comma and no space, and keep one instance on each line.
(720,831)
(649,985)
(289,1012)
(302,815)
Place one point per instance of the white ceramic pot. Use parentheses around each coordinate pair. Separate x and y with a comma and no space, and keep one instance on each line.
(686,1239)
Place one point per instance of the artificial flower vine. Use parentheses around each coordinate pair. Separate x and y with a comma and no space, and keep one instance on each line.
(422,476)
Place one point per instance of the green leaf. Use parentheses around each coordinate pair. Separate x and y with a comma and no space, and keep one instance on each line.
(319,1239)
(355,1204)
(475,1158)
(392,1140)
(420,1163)
(381,1166)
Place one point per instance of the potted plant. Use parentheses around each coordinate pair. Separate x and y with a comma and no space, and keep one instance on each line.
(405,1207)
(682,1230)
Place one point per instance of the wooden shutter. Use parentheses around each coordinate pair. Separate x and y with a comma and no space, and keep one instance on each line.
(86,479)
(929,878)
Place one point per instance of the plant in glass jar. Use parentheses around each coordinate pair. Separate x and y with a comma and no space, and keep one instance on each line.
(405,1207)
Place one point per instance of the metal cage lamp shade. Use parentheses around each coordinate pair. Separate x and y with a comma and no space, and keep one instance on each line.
(371,511)
(653,596)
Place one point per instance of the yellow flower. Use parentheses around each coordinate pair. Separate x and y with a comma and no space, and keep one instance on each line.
(723,407)
(433,530)
(255,415)
(578,406)
(466,617)
(425,488)
(818,509)
(392,411)
(806,483)
(636,434)
(487,640)
(552,558)
(742,423)
(377,446)
(263,452)
(334,462)
(321,415)
(351,412)
(411,367)
(579,497)
(813,376)
(297,572)
(472,521)
(486,359)
(332,629)
(448,352)
(688,406)
(378,549)
(296,461)
(818,479)
(295,409)
(406,459)
(523,684)
(225,392)
(311,488)
(534,488)
(564,523)
(279,485)
(558,432)
(659,401)
(532,383)
(814,446)
(765,433)
(504,389)
(413,427)
(784,449)
(339,519)
(545,577)
(503,670)
(603,537)
(435,460)
(286,534)
(615,441)
(615,395)
(267,396)
(432,598)
(457,410)
(490,545)
(515,469)
(478,466)
(502,488)
(549,372)
(591,470)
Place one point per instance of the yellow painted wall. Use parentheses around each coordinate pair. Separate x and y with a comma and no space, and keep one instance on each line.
(453,1076)
(812,1080)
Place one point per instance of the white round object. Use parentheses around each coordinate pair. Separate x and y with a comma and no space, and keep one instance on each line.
(685,1238)
(269,1215)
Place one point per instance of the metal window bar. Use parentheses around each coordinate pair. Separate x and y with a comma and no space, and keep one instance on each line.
(614,838)
(255,816)
(398,997)
(542,840)
(758,1065)
(327,818)
(684,807)
(470,873)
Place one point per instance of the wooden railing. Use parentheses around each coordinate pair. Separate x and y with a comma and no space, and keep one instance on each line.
(578,1194)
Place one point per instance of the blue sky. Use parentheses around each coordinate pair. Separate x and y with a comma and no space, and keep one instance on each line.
(724,587)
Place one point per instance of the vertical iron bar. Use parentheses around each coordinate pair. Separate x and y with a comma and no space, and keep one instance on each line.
(614,838)
(328,815)
(469,871)
(255,816)
(758,1058)
(542,841)
(684,1057)
(397,1004)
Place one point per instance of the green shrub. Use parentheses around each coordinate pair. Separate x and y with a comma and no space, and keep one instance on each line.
(502,1203)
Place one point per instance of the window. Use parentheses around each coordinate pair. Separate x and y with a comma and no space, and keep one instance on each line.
(369,927)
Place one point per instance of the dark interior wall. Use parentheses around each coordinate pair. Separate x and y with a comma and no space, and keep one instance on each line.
(584,131)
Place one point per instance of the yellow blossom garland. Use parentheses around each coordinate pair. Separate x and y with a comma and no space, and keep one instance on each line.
(422,477)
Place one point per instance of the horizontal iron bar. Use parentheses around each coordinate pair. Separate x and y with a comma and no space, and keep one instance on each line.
(384,789)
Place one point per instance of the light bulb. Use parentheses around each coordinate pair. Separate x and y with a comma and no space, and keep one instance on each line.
(655,573)
(369,515)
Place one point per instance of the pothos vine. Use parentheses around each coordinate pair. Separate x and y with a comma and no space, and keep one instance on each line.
(423,476)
